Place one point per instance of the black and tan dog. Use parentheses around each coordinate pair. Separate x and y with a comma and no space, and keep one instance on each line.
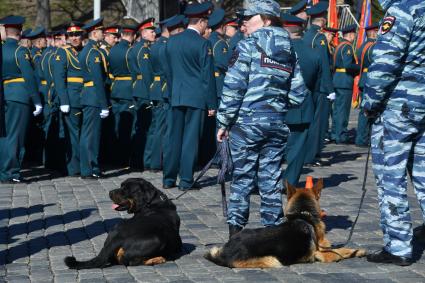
(149,237)
(301,238)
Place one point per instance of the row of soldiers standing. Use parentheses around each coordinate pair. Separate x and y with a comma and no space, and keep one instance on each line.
(113,88)
(329,73)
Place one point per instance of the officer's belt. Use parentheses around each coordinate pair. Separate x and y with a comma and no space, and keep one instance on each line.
(44,82)
(122,78)
(75,80)
(17,80)
(365,70)
(139,77)
(341,70)
(157,78)
(89,83)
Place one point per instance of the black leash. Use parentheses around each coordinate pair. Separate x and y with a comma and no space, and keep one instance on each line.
(361,202)
(223,157)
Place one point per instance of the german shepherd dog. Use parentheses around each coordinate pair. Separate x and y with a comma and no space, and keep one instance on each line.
(300,239)
(148,238)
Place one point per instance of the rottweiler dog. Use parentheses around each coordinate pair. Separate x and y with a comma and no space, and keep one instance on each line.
(300,239)
(150,237)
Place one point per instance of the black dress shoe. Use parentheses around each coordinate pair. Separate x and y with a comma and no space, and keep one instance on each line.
(92,177)
(194,187)
(385,257)
(167,187)
(13,181)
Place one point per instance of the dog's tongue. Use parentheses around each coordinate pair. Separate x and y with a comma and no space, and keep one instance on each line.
(114,206)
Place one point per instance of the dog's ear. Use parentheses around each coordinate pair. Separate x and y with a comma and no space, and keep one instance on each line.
(317,188)
(290,190)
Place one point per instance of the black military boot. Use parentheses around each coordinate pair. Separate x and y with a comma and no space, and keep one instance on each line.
(234,229)
(386,257)
(419,234)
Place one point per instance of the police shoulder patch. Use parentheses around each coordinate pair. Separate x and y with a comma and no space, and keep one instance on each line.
(146,56)
(96,59)
(58,58)
(270,63)
(387,24)
(322,42)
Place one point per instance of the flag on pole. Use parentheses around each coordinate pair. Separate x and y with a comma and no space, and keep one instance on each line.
(365,20)
(333,19)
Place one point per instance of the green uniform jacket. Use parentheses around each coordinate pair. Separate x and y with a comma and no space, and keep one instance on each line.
(345,65)
(94,70)
(311,70)
(122,87)
(191,71)
(159,88)
(67,76)
(141,70)
(18,75)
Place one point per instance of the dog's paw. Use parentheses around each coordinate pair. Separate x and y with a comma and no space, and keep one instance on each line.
(360,253)
(155,261)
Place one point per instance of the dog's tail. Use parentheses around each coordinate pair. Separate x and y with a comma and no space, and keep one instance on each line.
(215,255)
(103,259)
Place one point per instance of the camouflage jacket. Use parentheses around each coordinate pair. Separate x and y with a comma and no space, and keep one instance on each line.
(264,78)
(396,76)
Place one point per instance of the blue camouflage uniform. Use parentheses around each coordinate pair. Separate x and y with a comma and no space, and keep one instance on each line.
(364,54)
(93,100)
(20,93)
(68,82)
(394,91)
(263,80)
(122,101)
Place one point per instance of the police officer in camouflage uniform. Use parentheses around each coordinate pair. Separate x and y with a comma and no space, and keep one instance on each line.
(394,94)
(263,80)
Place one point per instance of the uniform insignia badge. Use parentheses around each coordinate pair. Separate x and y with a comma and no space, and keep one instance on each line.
(97,60)
(270,63)
(224,50)
(58,58)
(234,58)
(348,52)
(322,42)
(387,24)
(146,56)
(27,57)
(209,51)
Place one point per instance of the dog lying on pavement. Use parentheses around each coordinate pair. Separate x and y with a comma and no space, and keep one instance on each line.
(300,239)
(148,238)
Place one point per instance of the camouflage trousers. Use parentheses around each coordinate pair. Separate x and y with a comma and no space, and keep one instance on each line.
(257,151)
(398,146)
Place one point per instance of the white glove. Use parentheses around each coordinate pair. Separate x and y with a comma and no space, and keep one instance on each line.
(38,109)
(331,96)
(65,108)
(104,113)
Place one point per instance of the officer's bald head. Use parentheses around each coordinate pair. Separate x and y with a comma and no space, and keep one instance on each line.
(13,32)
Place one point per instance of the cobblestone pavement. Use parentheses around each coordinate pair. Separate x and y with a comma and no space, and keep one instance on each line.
(46,220)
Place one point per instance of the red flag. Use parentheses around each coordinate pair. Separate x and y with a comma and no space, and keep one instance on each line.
(365,20)
(333,19)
